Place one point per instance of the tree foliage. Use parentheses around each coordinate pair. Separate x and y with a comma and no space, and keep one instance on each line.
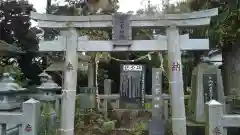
(15,30)
(224,33)
(224,28)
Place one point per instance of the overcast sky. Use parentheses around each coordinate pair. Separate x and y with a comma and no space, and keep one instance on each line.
(125,5)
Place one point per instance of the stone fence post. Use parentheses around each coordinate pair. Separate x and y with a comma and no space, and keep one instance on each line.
(107,91)
(213,118)
(31,115)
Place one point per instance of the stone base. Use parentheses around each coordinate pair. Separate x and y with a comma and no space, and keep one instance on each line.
(197,119)
(157,127)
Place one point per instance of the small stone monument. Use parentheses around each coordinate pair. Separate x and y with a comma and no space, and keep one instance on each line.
(156,125)
(206,85)
(87,98)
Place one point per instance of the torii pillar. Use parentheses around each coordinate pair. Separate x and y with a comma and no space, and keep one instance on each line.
(176,81)
(175,65)
(70,82)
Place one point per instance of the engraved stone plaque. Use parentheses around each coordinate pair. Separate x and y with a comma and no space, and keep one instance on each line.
(132,84)
(210,87)
(121,26)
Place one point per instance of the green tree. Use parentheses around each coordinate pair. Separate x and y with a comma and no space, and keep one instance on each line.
(15,30)
(224,33)
(79,9)
(187,59)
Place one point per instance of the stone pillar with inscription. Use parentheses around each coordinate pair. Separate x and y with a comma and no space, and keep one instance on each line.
(157,101)
(157,124)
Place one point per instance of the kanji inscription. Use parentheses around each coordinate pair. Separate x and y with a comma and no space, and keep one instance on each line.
(28,128)
(176,66)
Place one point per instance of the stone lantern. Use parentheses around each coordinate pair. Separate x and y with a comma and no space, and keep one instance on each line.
(9,90)
(48,90)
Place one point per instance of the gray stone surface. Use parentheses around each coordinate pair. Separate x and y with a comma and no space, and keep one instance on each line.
(87,98)
(157,101)
(99,21)
(157,127)
(31,115)
(121,26)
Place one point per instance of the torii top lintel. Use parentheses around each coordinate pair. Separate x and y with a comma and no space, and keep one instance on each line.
(102,21)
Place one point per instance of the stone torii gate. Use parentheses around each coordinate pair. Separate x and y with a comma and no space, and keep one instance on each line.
(173,43)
